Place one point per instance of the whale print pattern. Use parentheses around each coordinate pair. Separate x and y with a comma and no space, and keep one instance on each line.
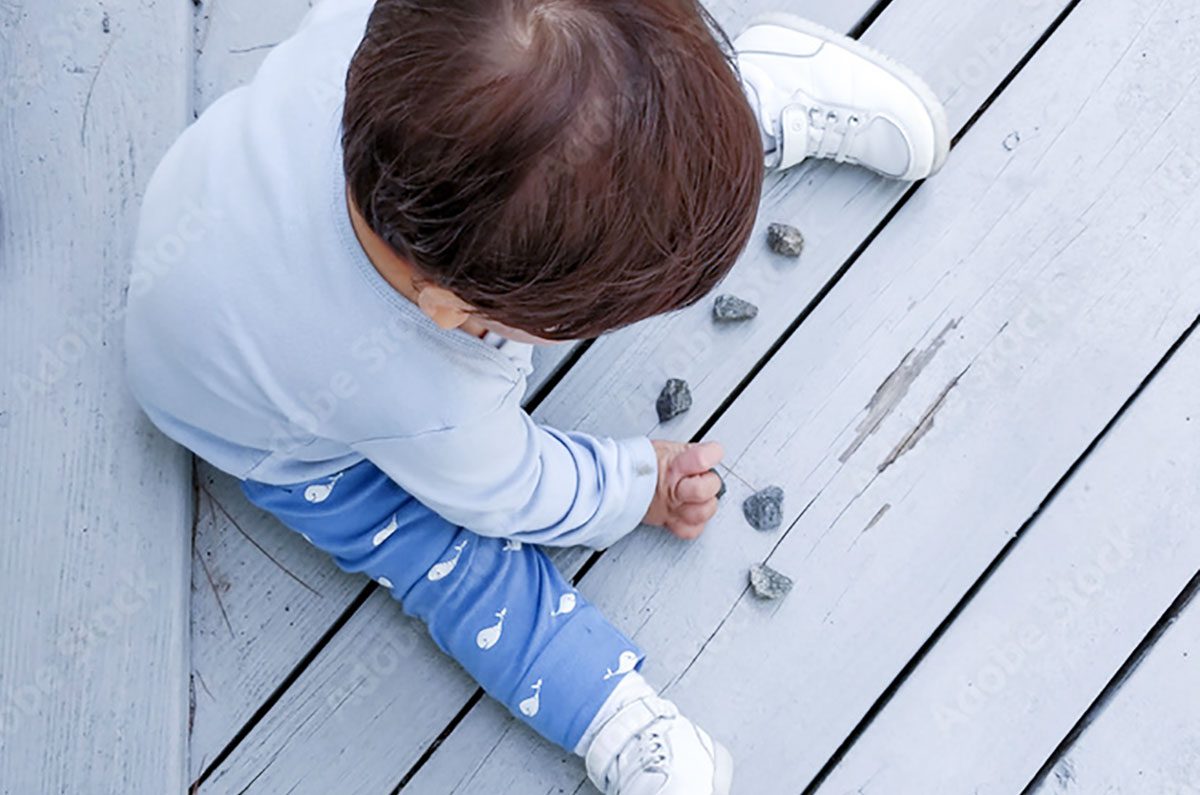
(498,605)
(319,492)
(626,663)
(386,532)
(487,638)
(530,706)
(566,604)
(443,569)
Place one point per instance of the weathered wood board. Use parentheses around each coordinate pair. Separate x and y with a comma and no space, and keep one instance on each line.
(920,415)
(97,506)
(1147,739)
(1048,631)
(896,33)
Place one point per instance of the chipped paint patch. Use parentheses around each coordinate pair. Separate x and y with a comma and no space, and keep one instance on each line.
(887,506)
(894,389)
(924,426)
(1064,773)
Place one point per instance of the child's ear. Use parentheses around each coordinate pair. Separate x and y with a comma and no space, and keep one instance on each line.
(443,307)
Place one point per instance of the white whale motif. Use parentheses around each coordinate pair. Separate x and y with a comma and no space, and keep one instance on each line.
(512,546)
(385,533)
(530,706)
(566,604)
(626,663)
(487,638)
(386,583)
(319,492)
(444,568)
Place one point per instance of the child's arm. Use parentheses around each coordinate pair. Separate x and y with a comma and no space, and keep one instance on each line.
(504,475)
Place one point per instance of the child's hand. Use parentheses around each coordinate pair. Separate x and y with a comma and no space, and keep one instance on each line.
(687,492)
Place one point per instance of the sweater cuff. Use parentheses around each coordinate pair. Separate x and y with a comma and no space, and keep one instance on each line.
(639,475)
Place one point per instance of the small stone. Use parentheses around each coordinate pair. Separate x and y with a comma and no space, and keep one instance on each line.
(675,399)
(721,491)
(730,309)
(764,509)
(785,240)
(768,583)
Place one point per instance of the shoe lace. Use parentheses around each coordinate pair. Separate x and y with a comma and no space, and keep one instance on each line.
(652,751)
(830,126)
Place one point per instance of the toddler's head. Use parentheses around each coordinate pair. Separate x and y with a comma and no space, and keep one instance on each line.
(565,167)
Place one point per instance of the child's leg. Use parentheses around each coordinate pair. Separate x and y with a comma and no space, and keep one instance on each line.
(499,608)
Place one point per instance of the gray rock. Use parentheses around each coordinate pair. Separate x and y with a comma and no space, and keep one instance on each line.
(675,399)
(730,309)
(764,509)
(721,491)
(768,583)
(785,240)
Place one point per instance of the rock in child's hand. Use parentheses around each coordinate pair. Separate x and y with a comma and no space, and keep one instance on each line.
(686,497)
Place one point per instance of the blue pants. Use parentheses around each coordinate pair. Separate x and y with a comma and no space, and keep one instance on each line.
(500,608)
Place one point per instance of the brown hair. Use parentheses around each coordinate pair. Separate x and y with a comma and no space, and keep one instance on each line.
(565,166)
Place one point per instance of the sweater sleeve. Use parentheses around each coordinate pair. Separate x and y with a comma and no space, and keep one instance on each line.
(506,476)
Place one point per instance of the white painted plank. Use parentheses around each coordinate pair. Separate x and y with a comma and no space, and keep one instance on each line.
(275,655)
(1047,632)
(97,506)
(1147,739)
(896,33)
(1057,270)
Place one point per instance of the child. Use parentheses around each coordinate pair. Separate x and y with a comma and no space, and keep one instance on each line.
(342,266)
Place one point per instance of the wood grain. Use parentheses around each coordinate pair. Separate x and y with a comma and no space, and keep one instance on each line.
(1048,631)
(97,506)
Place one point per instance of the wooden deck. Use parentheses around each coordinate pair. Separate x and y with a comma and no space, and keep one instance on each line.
(978,393)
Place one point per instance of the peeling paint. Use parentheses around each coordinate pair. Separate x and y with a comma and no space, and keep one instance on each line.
(887,506)
(923,427)
(894,389)
(1064,773)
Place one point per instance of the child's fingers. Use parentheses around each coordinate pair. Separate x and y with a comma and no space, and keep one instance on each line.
(688,532)
(698,488)
(697,512)
(696,459)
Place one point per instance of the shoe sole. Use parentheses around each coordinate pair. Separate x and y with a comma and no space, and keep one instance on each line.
(722,770)
(918,85)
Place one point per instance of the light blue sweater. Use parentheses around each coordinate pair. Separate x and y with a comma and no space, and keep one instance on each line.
(260,336)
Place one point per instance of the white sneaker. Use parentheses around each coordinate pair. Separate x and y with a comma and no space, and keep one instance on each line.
(648,748)
(825,95)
